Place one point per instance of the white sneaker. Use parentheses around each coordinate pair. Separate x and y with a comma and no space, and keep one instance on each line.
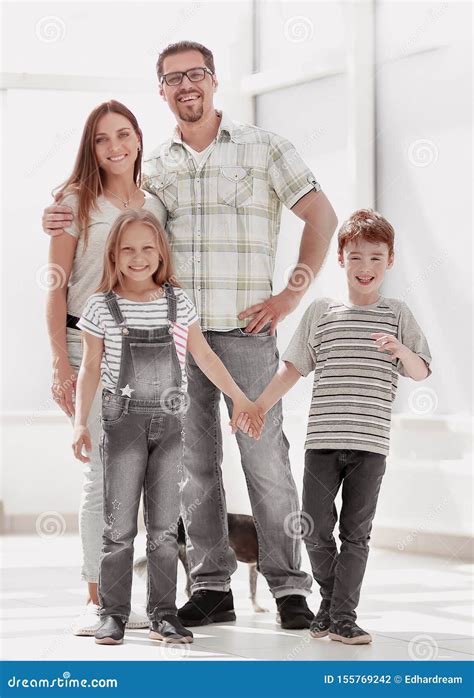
(88,622)
(137,620)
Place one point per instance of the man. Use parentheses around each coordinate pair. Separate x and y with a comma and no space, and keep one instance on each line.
(223,184)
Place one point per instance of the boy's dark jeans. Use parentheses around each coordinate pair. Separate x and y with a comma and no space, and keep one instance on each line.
(340,575)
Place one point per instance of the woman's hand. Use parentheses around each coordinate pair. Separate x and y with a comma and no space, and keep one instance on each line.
(247,417)
(81,438)
(63,386)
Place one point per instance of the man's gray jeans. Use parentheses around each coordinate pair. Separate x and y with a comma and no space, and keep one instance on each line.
(252,360)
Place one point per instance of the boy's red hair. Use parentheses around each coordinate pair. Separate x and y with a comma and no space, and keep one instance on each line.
(366,224)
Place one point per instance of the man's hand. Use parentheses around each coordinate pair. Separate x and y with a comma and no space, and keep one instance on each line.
(273,310)
(56,218)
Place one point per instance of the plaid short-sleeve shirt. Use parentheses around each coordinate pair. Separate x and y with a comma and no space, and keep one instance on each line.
(223,217)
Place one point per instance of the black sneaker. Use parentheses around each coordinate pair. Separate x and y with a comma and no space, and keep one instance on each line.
(208,606)
(110,631)
(294,612)
(170,629)
(348,632)
(322,620)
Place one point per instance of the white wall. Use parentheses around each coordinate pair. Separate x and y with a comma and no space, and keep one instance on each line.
(421,75)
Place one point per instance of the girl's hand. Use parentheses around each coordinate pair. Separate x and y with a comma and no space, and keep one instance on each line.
(389,343)
(247,417)
(81,438)
(63,387)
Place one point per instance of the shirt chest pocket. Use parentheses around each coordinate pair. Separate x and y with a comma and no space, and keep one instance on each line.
(166,188)
(235,186)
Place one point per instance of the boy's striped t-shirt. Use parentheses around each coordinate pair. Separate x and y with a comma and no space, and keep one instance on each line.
(354,383)
(97,320)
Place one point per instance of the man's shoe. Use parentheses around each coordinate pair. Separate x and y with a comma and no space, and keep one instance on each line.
(348,632)
(110,631)
(207,606)
(322,620)
(294,612)
(170,629)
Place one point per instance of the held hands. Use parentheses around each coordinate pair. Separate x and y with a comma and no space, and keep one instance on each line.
(247,417)
(81,438)
(390,344)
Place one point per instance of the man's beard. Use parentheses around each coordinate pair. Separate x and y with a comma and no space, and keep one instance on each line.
(191,116)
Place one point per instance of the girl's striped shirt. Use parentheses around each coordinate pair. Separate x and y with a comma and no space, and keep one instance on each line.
(97,320)
(354,383)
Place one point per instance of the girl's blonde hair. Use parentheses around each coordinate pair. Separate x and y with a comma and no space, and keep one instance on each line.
(111,274)
(86,179)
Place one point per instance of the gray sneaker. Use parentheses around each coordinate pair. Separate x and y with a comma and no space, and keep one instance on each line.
(170,629)
(320,625)
(348,632)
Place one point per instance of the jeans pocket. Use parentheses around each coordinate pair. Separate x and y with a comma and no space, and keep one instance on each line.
(234,186)
(112,413)
(152,363)
(264,332)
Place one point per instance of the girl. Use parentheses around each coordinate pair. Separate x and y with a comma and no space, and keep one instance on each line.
(104,182)
(137,328)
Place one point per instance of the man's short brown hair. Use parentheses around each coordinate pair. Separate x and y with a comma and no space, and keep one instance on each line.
(180,47)
(366,224)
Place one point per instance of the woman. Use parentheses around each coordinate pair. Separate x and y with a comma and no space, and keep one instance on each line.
(105,181)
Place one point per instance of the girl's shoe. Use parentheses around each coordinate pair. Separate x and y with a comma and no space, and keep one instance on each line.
(320,624)
(170,629)
(137,620)
(349,633)
(89,621)
(110,631)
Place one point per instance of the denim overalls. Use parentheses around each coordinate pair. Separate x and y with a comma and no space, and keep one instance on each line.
(141,449)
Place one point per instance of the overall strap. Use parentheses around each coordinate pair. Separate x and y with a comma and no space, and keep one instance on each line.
(172,301)
(111,300)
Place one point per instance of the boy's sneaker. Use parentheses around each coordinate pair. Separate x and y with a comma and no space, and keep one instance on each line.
(294,612)
(348,632)
(320,625)
(110,631)
(207,606)
(170,629)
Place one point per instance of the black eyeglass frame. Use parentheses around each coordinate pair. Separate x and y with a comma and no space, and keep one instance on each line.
(185,72)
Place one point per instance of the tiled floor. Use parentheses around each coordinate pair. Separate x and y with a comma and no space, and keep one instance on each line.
(415,608)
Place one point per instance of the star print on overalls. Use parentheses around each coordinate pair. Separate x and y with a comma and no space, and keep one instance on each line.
(127,390)
(111,519)
(115,504)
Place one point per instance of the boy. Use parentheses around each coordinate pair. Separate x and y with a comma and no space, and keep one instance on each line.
(356,349)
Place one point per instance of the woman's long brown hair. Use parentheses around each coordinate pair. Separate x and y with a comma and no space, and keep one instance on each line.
(86,178)
(111,274)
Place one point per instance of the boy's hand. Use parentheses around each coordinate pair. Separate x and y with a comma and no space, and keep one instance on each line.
(389,343)
(247,417)
(81,438)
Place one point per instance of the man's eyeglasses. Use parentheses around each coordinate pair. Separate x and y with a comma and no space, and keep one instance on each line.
(194,74)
